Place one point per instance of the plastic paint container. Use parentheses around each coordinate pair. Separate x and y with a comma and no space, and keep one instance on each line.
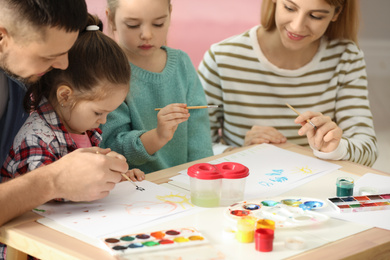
(246,229)
(205,185)
(233,182)
(217,185)
(264,239)
(344,186)
(265,223)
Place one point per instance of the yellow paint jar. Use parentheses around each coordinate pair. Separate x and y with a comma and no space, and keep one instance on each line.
(246,229)
(265,223)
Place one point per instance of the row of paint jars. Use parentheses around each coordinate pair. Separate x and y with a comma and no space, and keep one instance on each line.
(217,185)
(261,231)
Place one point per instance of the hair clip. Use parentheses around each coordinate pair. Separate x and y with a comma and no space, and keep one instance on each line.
(92,28)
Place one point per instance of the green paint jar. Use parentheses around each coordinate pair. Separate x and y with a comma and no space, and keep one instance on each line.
(344,186)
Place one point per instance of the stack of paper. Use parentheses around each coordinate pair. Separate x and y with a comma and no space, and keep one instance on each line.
(272,170)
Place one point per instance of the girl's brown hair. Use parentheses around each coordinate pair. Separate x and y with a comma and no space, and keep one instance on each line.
(112,6)
(345,27)
(94,58)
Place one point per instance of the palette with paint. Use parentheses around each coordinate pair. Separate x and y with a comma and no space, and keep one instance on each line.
(361,203)
(158,240)
(285,212)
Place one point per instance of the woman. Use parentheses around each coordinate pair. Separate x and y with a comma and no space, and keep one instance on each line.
(304,53)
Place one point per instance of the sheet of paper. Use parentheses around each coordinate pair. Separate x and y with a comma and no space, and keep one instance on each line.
(123,210)
(272,170)
(379,218)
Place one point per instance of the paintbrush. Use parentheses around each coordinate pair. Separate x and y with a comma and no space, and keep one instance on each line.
(127,178)
(197,107)
(296,111)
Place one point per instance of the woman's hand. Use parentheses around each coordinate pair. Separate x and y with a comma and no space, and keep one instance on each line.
(325,137)
(263,134)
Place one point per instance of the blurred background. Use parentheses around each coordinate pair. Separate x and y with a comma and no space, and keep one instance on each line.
(196,24)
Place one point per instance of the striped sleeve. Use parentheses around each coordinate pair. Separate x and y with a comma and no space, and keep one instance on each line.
(253,91)
(352,109)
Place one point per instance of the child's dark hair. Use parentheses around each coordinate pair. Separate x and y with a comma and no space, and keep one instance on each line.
(94,58)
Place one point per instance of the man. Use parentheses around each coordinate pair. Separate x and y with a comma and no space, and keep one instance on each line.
(35,37)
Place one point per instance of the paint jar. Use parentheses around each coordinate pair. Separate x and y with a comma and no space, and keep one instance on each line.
(265,223)
(233,182)
(344,186)
(264,239)
(246,229)
(205,185)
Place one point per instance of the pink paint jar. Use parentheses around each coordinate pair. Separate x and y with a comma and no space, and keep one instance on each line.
(264,239)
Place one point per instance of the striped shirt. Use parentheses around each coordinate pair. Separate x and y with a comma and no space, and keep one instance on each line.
(253,91)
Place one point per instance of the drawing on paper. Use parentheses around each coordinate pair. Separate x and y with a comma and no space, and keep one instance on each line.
(123,209)
(177,199)
(303,170)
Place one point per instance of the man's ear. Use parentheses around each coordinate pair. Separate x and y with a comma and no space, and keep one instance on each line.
(64,95)
(4,38)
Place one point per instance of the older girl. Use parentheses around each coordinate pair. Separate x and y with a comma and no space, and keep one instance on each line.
(161,78)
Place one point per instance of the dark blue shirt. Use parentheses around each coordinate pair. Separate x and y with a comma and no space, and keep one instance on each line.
(13,118)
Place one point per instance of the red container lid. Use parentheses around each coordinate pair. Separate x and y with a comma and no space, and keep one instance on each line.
(232,170)
(204,171)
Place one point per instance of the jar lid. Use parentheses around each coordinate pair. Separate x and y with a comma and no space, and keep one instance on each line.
(265,233)
(232,170)
(204,171)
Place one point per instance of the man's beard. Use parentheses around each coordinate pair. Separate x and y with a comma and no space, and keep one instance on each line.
(10,74)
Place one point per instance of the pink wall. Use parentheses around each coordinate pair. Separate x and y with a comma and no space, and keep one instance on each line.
(98,7)
(196,24)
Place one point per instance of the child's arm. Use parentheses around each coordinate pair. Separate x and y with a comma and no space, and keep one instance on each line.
(168,119)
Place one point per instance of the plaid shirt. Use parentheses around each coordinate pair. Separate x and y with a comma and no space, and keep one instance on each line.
(42,140)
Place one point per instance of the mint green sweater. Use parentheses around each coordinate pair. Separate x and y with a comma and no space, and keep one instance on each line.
(177,83)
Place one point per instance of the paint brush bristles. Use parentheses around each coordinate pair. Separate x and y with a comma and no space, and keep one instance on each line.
(127,178)
(197,107)
(296,111)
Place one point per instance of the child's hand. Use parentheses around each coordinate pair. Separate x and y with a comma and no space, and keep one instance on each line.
(135,175)
(169,118)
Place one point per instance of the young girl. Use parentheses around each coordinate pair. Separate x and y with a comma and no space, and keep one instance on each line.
(161,78)
(304,53)
(69,105)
